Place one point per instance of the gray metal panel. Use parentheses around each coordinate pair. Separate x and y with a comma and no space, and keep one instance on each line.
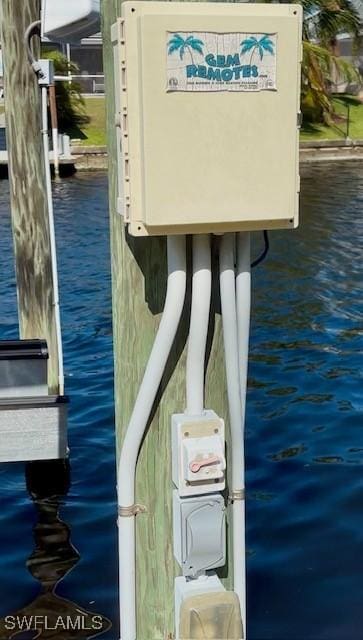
(33,433)
(199,532)
(19,378)
(205,537)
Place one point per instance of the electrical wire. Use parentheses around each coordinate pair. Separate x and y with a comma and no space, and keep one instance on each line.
(32,29)
(53,249)
(264,253)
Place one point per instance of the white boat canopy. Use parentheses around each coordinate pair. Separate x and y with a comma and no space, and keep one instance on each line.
(70,21)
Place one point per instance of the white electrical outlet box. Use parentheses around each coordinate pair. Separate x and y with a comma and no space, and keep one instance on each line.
(198,453)
(46,74)
(207,116)
(199,532)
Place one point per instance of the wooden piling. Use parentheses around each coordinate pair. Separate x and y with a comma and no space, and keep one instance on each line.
(139,284)
(29,210)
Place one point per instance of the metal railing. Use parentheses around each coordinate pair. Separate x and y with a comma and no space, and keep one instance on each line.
(89,83)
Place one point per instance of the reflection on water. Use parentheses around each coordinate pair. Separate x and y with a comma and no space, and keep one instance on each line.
(49,615)
(304,421)
(64,577)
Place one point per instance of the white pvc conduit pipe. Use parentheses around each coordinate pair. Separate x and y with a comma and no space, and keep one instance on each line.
(168,326)
(53,249)
(232,359)
(243,288)
(199,320)
(55,151)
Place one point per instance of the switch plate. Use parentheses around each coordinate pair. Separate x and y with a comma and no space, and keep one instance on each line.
(199,532)
(198,453)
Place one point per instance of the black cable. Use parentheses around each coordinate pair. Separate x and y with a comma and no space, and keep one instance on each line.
(264,252)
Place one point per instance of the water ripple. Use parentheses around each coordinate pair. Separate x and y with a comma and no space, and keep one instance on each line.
(304,420)
(304,429)
(88,508)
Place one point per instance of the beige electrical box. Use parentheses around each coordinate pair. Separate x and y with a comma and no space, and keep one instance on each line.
(207,103)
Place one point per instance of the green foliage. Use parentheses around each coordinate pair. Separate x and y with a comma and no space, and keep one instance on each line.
(321,67)
(94,133)
(326,18)
(345,107)
(70,103)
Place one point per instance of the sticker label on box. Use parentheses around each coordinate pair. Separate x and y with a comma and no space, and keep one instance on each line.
(208,61)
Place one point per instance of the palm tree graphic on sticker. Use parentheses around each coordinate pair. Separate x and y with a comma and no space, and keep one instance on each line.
(253,44)
(177,43)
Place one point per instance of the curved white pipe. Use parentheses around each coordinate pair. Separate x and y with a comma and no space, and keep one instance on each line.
(232,359)
(53,248)
(168,326)
(199,320)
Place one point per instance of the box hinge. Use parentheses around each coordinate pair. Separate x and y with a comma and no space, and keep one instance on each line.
(124,125)
(121,120)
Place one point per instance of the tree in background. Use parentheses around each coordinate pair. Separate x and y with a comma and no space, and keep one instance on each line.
(71,106)
(321,66)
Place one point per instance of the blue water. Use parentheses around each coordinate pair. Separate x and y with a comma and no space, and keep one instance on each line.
(304,422)
(89,507)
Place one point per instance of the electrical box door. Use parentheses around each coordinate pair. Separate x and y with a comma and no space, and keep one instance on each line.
(207,101)
(199,525)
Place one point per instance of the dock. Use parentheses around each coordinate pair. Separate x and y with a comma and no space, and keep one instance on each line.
(66,160)
(66,164)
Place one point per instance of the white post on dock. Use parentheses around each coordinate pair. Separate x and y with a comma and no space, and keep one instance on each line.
(54,123)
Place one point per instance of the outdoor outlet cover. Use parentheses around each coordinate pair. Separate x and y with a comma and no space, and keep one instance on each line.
(199,533)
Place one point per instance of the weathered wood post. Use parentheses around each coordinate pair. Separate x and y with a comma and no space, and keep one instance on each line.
(29,210)
(138,283)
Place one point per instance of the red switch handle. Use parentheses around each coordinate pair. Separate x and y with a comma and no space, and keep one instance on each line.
(196,465)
